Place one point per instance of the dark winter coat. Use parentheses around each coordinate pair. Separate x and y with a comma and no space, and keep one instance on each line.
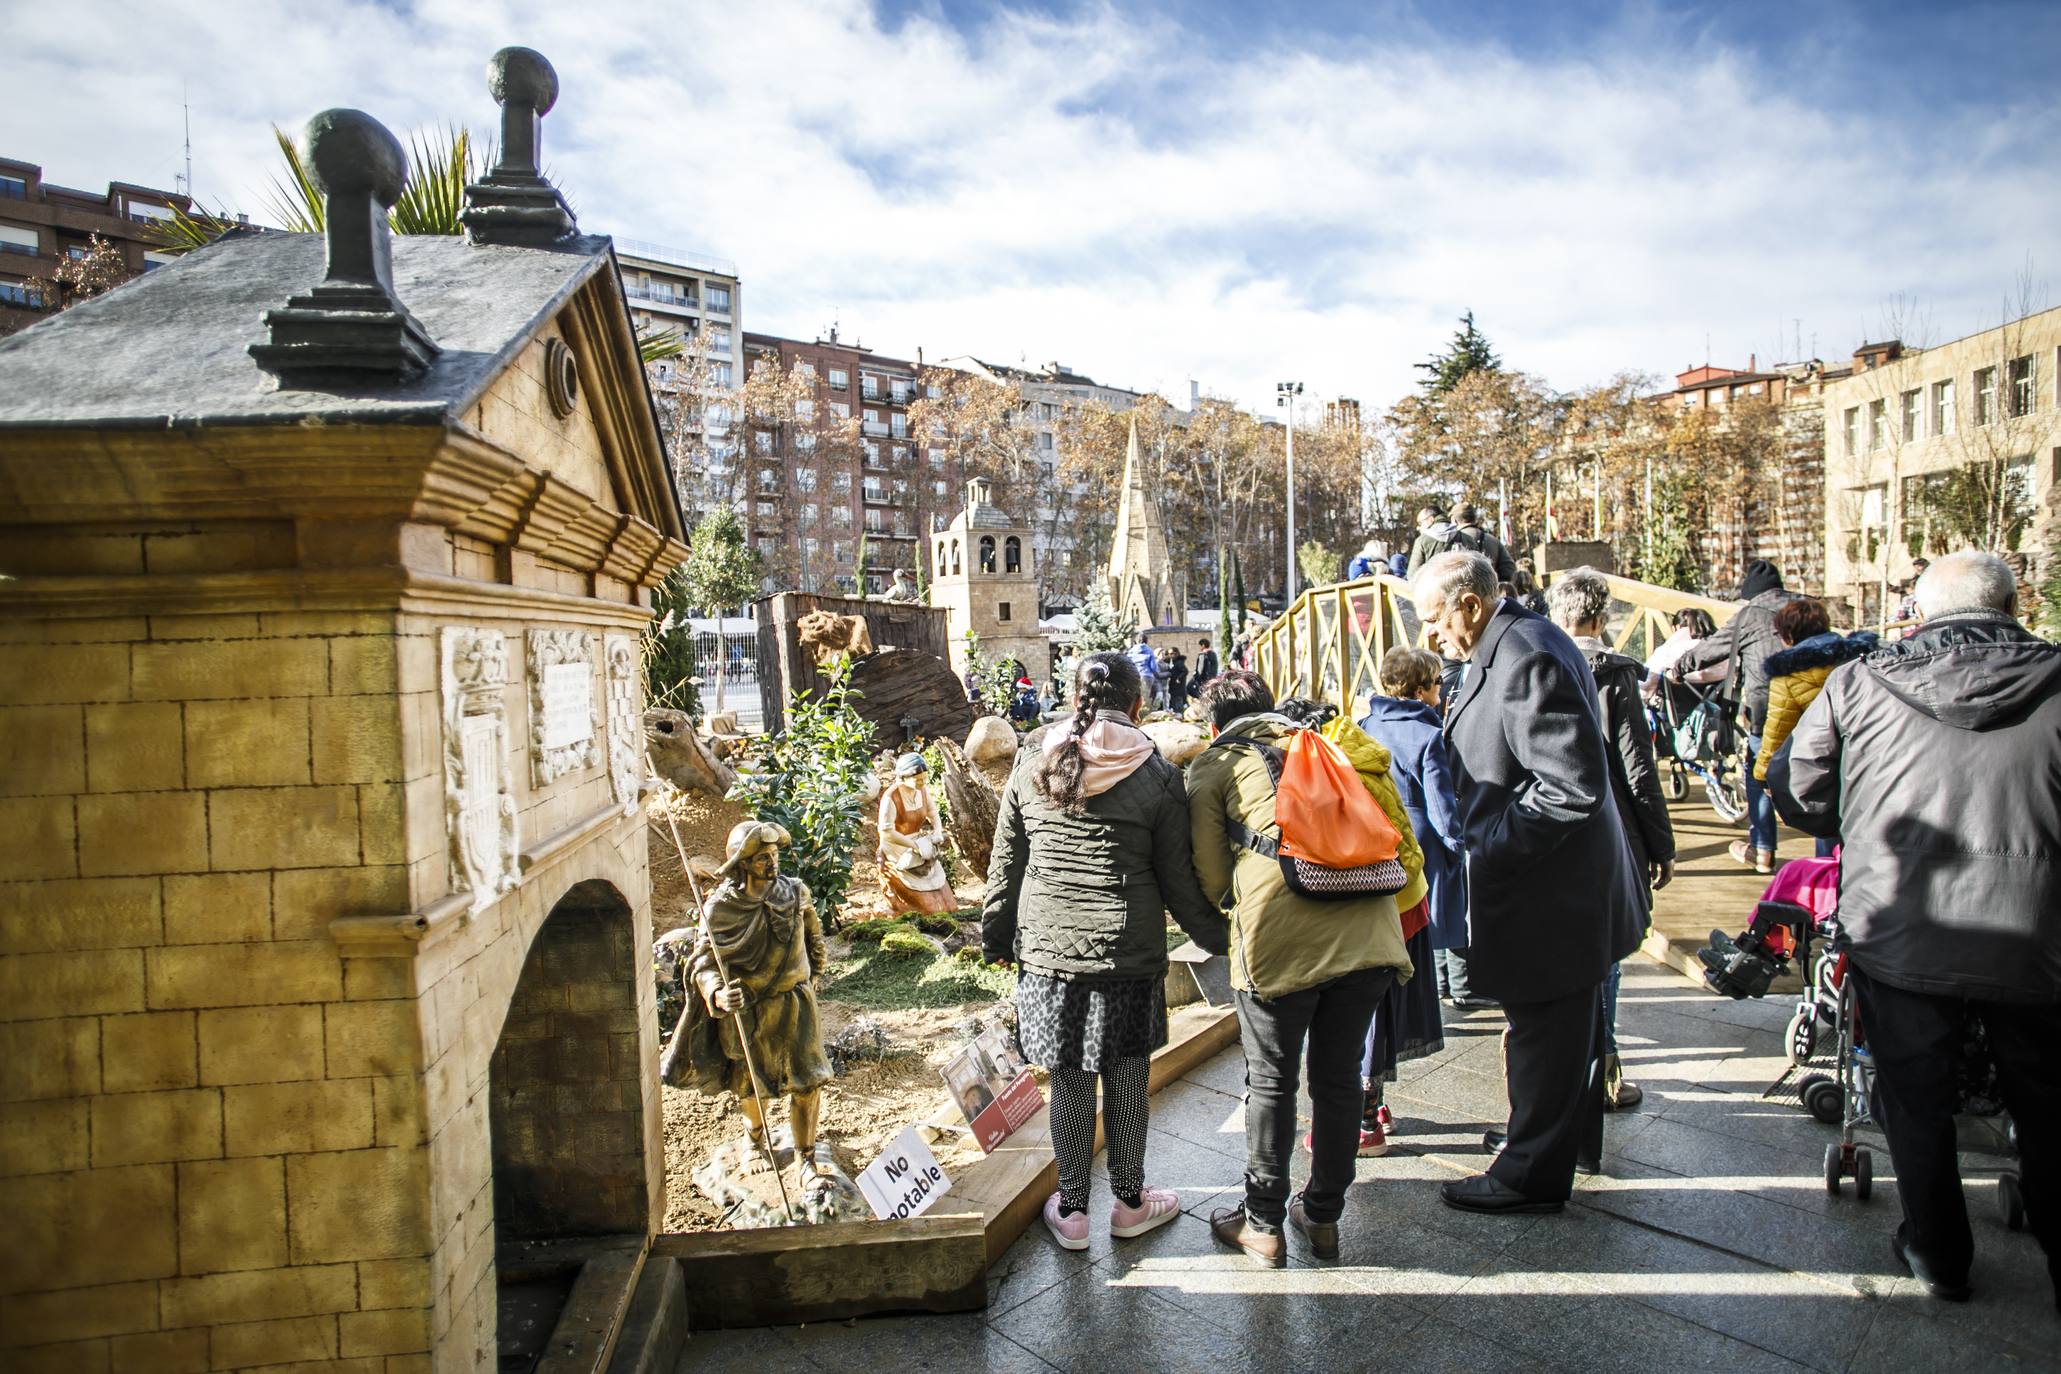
(1937,760)
(1553,900)
(1634,776)
(1085,895)
(1205,669)
(1475,539)
(1748,638)
(1416,746)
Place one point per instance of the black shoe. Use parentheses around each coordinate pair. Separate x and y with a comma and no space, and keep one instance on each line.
(1492,1142)
(1490,1196)
(1945,1292)
(1471,1003)
(1588,1168)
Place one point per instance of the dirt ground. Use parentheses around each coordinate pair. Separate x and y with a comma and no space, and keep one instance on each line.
(863,1108)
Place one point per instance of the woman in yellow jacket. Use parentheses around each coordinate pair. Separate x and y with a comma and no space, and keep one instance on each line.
(1797,673)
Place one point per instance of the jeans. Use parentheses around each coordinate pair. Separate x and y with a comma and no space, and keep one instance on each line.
(1610,982)
(1916,1040)
(1452,972)
(1331,1019)
(1760,807)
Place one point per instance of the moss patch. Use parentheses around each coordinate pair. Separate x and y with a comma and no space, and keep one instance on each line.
(886,981)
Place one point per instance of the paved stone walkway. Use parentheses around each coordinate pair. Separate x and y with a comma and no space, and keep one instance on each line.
(1710,1243)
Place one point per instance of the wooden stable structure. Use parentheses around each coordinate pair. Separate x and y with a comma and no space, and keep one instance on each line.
(907,675)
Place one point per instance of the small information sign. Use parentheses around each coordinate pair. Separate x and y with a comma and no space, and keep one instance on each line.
(568,704)
(905,1180)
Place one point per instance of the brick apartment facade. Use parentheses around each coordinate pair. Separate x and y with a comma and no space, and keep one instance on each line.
(41,224)
(809,499)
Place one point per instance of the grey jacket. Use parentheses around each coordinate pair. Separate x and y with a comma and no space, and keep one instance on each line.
(1747,639)
(1554,900)
(1085,896)
(1937,760)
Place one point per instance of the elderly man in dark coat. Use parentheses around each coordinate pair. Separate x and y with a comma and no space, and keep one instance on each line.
(1555,900)
(1936,760)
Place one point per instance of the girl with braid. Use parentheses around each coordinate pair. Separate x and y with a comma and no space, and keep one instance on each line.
(1091,854)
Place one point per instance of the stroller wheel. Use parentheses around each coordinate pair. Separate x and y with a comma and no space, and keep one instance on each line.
(1822,1099)
(1677,782)
(1834,1168)
(1727,798)
(1803,1035)
(1863,1173)
(2011,1201)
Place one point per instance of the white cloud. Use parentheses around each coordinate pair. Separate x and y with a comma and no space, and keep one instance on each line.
(1115,194)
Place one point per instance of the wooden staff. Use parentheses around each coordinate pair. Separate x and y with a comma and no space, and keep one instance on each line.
(751,1071)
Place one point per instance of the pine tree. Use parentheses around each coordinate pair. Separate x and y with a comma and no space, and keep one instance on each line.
(722,571)
(1223,610)
(1468,352)
(1095,628)
(1238,581)
(859,573)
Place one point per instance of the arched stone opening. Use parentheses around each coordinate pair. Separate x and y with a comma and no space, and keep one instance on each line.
(987,553)
(1012,555)
(565,1107)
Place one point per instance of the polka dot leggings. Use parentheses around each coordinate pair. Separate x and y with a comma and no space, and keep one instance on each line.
(1124,1084)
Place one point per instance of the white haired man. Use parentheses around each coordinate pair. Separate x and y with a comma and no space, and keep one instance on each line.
(1937,760)
(1554,902)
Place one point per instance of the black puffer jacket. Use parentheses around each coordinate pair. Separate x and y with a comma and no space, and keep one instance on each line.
(1634,776)
(1085,896)
(1938,760)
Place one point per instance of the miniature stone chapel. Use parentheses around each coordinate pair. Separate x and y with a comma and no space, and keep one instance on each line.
(325,973)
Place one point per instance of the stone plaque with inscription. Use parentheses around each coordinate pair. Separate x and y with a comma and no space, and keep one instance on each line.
(562,729)
(478,804)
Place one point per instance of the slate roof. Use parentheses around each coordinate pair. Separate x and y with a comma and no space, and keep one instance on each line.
(983,517)
(168,350)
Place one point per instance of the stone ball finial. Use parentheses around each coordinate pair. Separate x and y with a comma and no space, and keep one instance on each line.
(523,75)
(349,150)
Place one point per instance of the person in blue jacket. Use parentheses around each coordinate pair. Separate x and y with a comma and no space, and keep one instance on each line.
(1405,719)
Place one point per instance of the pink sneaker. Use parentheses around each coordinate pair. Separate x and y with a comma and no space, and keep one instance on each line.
(1156,1207)
(1384,1118)
(1071,1232)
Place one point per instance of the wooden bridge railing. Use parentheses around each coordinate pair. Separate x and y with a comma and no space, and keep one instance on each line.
(1328,645)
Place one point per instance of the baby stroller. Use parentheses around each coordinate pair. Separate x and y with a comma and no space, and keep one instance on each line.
(1694,735)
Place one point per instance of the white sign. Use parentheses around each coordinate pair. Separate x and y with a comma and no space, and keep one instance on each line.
(905,1180)
(568,704)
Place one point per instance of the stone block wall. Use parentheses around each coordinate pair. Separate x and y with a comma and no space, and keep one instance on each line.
(210,1123)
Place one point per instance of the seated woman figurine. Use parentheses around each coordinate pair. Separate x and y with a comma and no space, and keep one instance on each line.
(912,839)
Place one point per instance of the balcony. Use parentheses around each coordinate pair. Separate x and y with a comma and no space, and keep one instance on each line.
(678,257)
(874,428)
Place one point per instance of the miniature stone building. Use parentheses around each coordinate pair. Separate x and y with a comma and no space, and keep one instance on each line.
(326,944)
(1145,589)
(982,575)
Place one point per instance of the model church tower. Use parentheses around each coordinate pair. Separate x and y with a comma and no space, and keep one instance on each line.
(1144,589)
(983,577)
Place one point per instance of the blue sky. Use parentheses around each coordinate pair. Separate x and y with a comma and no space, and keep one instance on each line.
(1232,193)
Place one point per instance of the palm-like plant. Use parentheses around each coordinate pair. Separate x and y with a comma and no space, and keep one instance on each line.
(438,173)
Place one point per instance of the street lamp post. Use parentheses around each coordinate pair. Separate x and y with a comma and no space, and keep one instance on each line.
(1284,396)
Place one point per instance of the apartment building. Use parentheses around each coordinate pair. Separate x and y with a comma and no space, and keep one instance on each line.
(1928,450)
(41,224)
(813,494)
(1783,520)
(692,293)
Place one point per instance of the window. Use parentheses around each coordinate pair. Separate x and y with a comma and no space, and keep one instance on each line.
(805,371)
(901,490)
(903,528)
(987,553)
(841,517)
(13,188)
(805,480)
(719,374)
(19,293)
(718,297)
(15,239)
(1878,424)
(840,552)
(930,390)
(872,454)
(805,442)
(762,441)
(719,338)
(1012,557)
(899,390)
(1002,611)
(937,459)
(873,489)
(955,558)
(810,512)
(769,481)
(840,484)
(1045,441)
(840,380)
(1943,407)
(869,386)
(1853,430)
(938,489)
(876,522)
(2021,386)
(1913,421)
(766,511)
(143,212)
(1872,502)
(840,410)
(811,550)
(1985,395)
(871,417)
(805,411)
(901,454)
(898,424)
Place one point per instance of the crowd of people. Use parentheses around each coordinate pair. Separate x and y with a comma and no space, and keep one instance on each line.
(1516,780)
